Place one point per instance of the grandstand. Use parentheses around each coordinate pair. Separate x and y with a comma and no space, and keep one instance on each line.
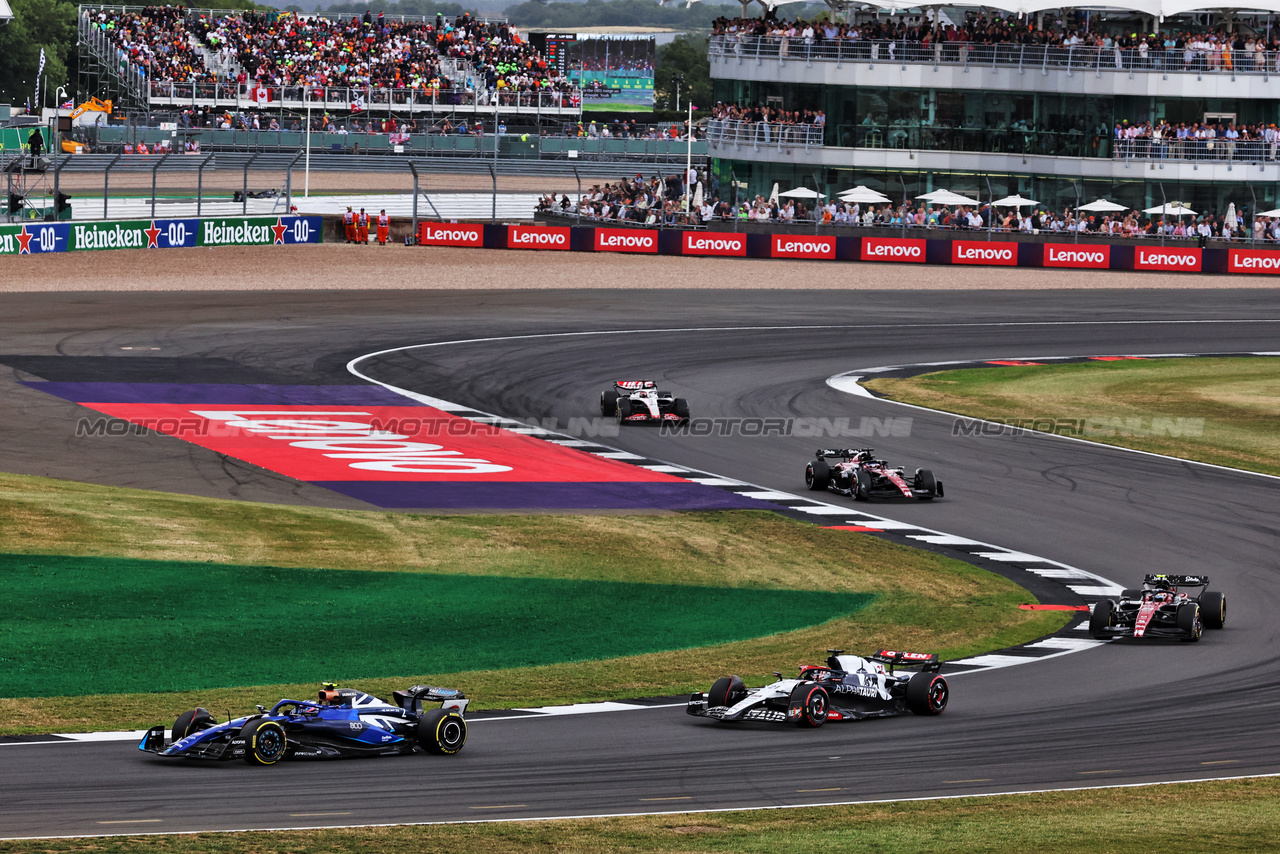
(154,57)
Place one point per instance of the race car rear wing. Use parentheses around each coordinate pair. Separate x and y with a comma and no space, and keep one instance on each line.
(633,385)
(449,698)
(1178,580)
(927,662)
(839,452)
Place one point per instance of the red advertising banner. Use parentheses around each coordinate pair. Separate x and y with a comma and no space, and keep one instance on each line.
(984,252)
(906,250)
(626,240)
(1072,255)
(714,243)
(1167,258)
(537,237)
(796,246)
(450,234)
(1252,261)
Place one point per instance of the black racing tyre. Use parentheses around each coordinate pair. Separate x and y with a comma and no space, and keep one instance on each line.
(623,408)
(681,408)
(926,481)
(927,694)
(726,691)
(861,485)
(264,742)
(608,403)
(1130,593)
(442,732)
(809,705)
(192,721)
(1189,621)
(1213,610)
(817,475)
(1101,618)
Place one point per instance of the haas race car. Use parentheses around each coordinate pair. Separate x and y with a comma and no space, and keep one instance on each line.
(858,474)
(639,401)
(1161,609)
(847,688)
(341,722)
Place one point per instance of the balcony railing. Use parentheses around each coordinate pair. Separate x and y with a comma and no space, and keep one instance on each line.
(370,99)
(763,134)
(964,54)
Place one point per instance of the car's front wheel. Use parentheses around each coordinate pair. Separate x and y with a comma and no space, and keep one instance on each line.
(191,722)
(442,732)
(1213,610)
(1189,621)
(817,475)
(860,484)
(1101,618)
(809,705)
(726,691)
(264,742)
(623,410)
(681,408)
(608,403)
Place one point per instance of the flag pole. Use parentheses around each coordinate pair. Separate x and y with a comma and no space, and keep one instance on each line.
(688,160)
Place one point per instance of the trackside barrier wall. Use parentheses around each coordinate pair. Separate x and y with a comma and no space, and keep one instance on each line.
(973,251)
(42,237)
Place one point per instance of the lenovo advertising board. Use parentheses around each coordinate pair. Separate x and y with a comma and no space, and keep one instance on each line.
(714,243)
(1175,258)
(626,240)
(984,252)
(1252,261)
(1071,255)
(903,250)
(450,234)
(537,237)
(803,246)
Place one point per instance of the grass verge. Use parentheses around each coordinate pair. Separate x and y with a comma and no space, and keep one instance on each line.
(1237,815)
(1224,411)
(924,601)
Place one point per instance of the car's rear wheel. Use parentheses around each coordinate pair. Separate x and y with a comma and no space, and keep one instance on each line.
(810,704)
(1100,619)
(926,482)
(264,742)
(817,475)
(442,732)
(927,694)
(1213,610)
(608,403)
(860,483)
(1189,621)
(190,722)
(681,408)
(726,691)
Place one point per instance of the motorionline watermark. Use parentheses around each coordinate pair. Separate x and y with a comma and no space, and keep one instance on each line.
(1093,427)
(199,428)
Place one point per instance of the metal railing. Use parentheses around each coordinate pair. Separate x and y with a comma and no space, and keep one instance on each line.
(164,93)
(231,13)
(722,132)
(1010,140)
(100,45)
(965,54)
(1197,150)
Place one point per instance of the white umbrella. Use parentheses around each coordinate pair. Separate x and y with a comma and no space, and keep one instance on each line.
(1272,212)
(1230,220)
(1014,201)
(863,195)
(802,193)
(946,197)
(697,196)
(773,196)
(1171,209)
(1102,206)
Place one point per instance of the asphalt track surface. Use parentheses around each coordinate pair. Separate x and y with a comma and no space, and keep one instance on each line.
(1123,713)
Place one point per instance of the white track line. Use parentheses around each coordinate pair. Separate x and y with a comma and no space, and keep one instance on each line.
(850,383)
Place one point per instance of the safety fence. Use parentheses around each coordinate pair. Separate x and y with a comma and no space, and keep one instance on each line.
(1189,60)
(809,247)
(757,134)
(46,237)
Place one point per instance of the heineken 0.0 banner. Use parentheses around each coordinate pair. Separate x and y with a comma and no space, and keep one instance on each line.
(37,238)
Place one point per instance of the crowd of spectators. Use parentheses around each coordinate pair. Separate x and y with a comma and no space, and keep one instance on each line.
(156,41)
(1196,141)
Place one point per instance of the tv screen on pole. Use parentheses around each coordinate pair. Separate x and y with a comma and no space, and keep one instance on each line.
(614,71)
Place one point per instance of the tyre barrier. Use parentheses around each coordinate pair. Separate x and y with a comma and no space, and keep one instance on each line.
(900,250)
(38,238)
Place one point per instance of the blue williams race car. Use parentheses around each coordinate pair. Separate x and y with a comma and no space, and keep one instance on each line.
(341,722)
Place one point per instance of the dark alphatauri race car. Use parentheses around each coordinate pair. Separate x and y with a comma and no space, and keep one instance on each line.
(342,722)
(1161,609)
(847,688)
(639,401)
(858,474)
